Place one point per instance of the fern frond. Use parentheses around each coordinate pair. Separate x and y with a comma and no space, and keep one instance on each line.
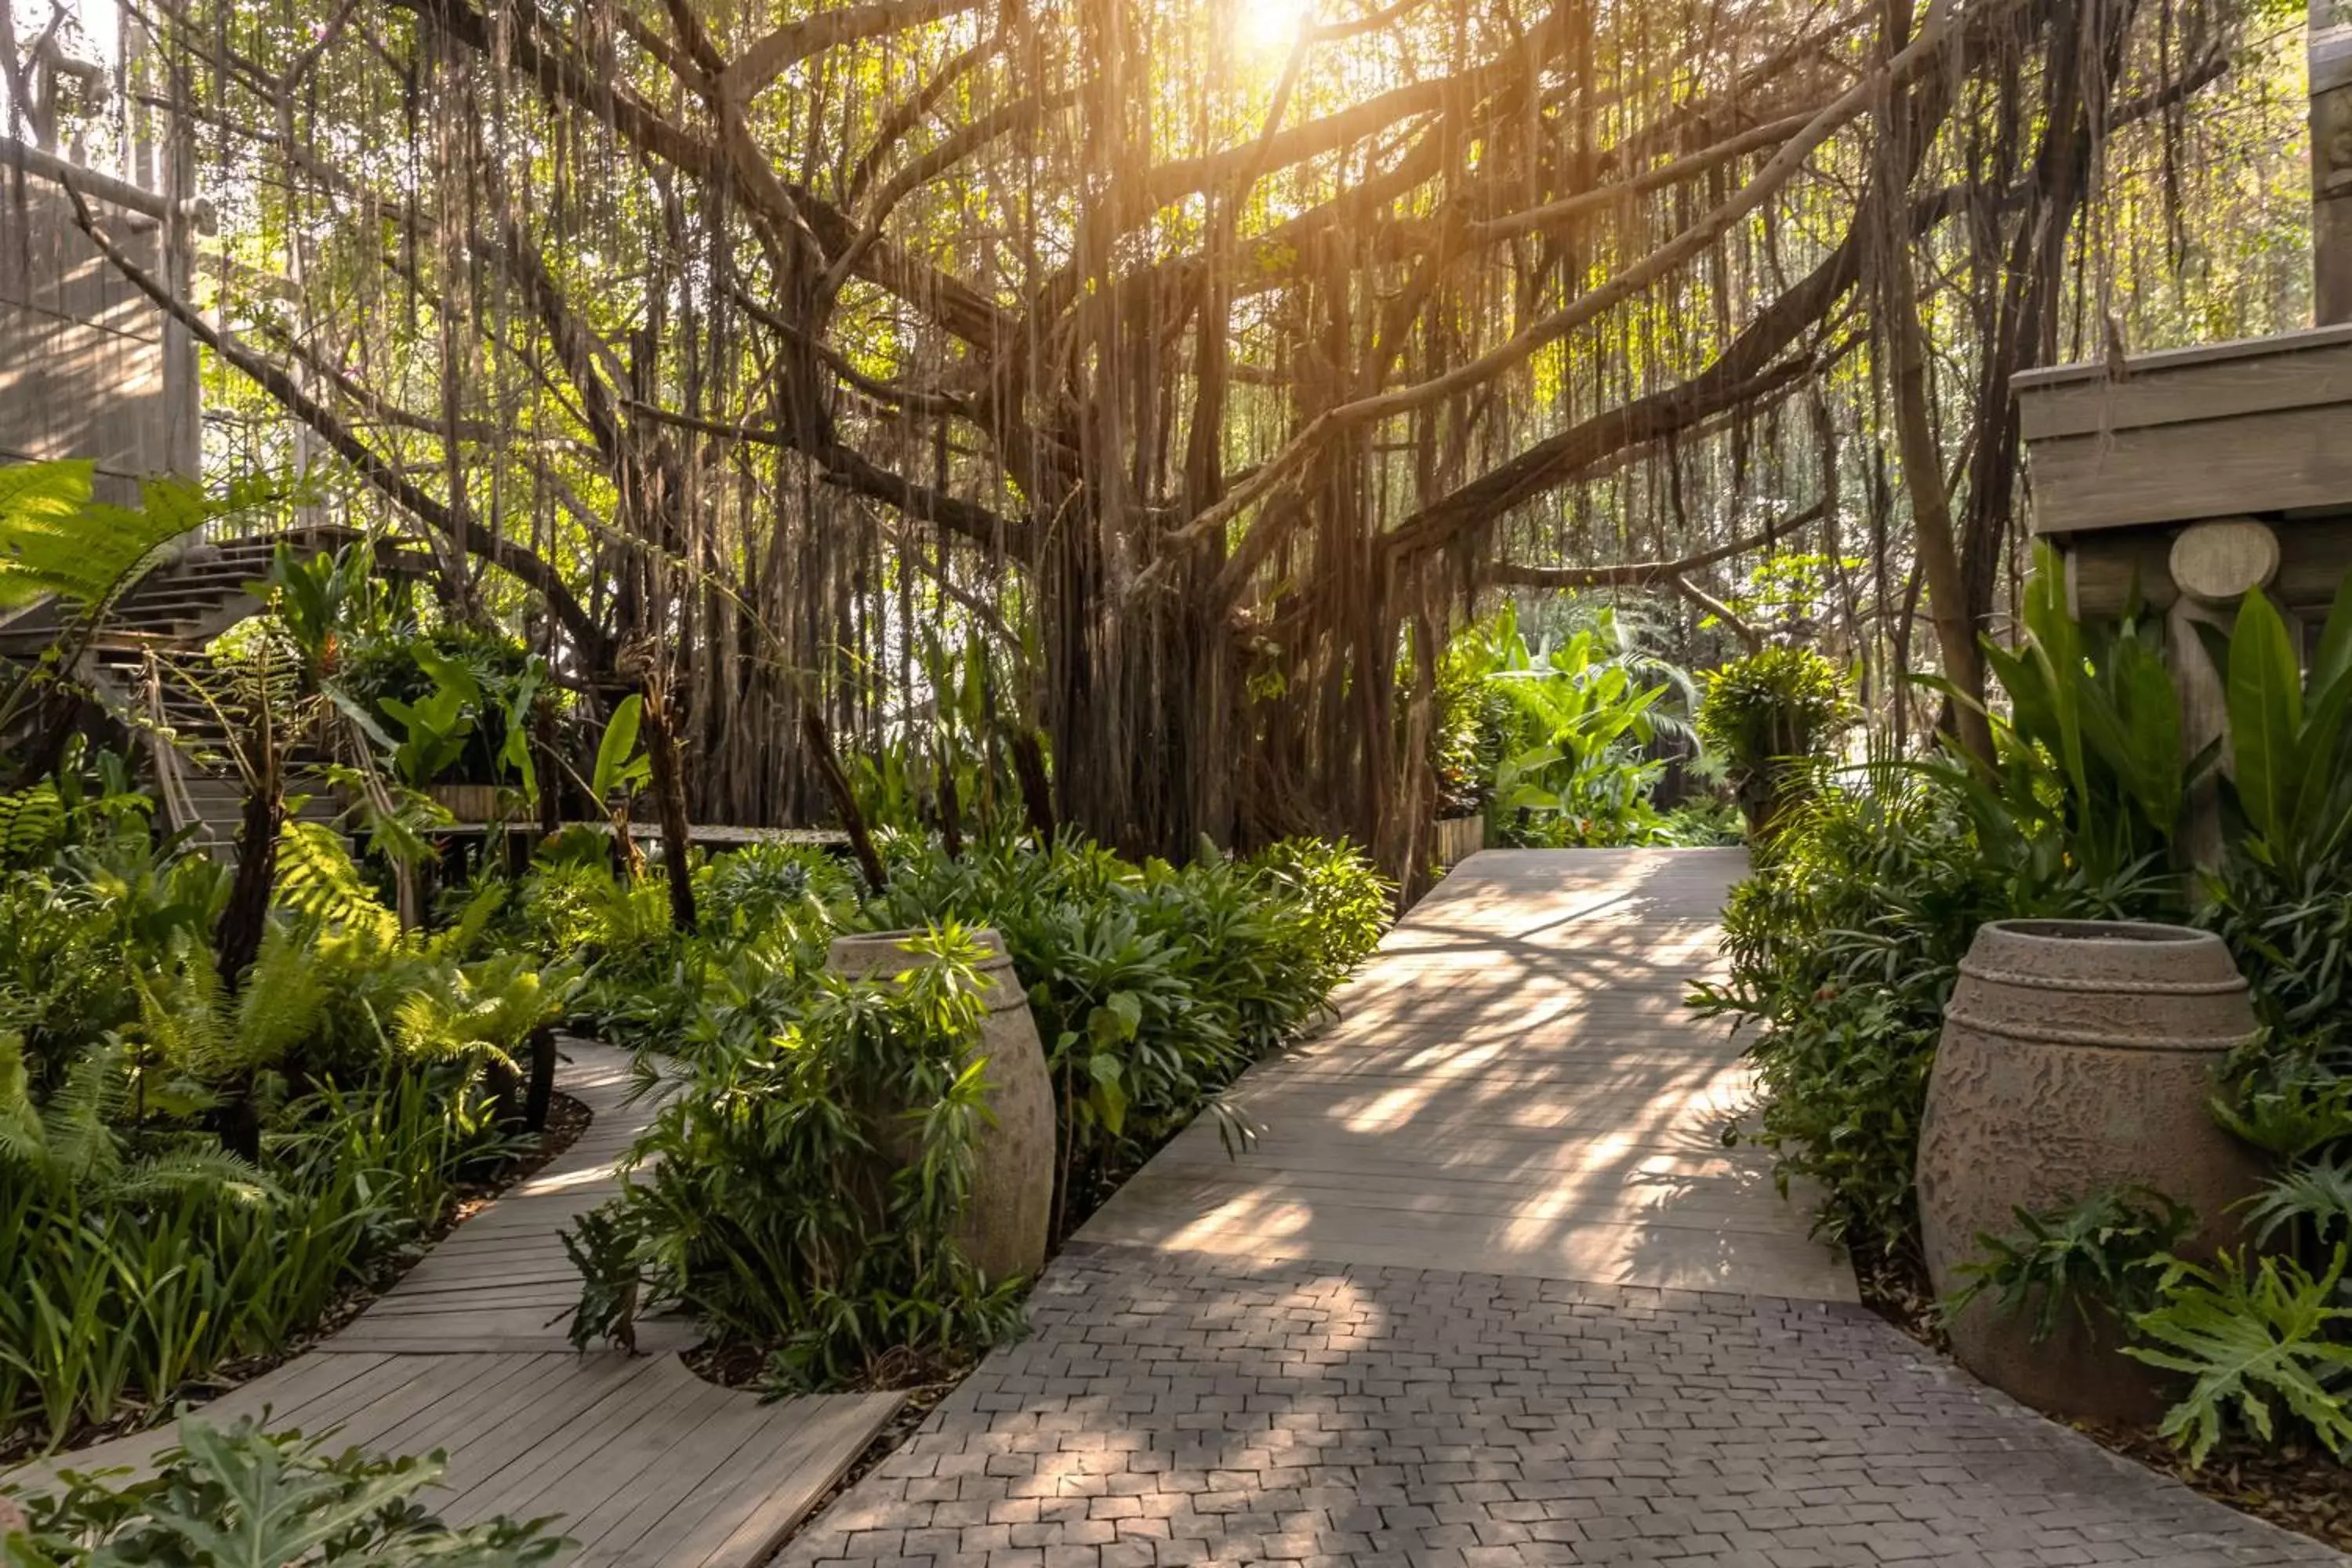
(282,1005)
(317,878)
(180,1016)
(55,539)
(32,823)
(22,1139)
(440,1022)
(76,1125)
(210,1174)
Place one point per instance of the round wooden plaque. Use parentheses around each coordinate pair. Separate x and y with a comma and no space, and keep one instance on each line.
(2220,562)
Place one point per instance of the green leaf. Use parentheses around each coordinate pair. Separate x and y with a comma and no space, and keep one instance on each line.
(2266,703)
(1105,1029)
(1109,1102)
(612,755)
(2248,1341)
(2331,661)
(1128,1007)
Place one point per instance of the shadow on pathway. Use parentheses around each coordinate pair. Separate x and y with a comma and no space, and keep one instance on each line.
(1488,1292)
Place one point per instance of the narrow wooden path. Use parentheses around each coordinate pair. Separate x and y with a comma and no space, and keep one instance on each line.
(644,1462)
(1515,1086)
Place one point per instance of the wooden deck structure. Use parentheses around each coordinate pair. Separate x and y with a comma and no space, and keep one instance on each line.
(1515,1086)
(88,368)
(2202,473)
(643,1462)
(2125,466)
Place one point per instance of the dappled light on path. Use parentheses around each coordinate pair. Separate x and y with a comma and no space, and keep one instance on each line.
(1515,1085)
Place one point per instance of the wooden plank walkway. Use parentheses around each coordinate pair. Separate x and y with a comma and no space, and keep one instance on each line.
(1515,1087)
(644,1462)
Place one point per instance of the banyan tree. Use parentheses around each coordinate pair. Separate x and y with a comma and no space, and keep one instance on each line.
(1207,360)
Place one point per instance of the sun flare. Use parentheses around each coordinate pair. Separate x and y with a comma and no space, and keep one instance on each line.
(1271,26)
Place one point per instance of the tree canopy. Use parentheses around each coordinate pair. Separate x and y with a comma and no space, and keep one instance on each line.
(1208,363)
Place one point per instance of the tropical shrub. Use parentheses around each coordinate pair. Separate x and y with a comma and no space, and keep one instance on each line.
(1580,768)
(1153,987)
(263,1500)
(135,1259)
(1769,718)
(1563,741)
(1842,950)
(801,1193)
(1473,722)
(191,1175)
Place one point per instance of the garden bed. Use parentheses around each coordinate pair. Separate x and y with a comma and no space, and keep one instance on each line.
(567,1120)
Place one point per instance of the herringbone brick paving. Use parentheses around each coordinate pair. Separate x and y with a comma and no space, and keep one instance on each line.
(1171,1410)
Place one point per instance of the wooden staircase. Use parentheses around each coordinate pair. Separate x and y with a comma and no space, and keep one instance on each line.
(141,663)
(190,753)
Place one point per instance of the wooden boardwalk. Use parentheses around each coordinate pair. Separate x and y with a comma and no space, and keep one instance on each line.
(645,1463)
(1515,1087)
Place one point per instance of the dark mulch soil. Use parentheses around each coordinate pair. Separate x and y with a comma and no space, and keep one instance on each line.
(566,1120)
(2295,1488)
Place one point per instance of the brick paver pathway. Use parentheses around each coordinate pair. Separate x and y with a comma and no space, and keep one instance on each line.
(1338,1400)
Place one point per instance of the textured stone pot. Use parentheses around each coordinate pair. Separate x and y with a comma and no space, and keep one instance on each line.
(2077,1057)
(1004,1229)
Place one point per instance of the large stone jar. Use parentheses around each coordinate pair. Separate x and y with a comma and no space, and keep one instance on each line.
(2077,1057)
(1004,1228)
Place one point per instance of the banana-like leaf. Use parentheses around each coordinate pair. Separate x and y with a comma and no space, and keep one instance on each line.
(2264,693)
(613,753)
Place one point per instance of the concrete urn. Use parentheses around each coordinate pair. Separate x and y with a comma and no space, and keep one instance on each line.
(2077,1057)
(1010,1211)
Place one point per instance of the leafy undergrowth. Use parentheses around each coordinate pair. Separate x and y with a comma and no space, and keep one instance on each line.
(802,1191)
(567,1119)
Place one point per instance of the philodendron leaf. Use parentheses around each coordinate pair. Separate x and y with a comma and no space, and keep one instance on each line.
(2249,1339)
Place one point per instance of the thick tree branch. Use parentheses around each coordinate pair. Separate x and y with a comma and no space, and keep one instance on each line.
(771,55)
(842,465)
(387,478)
(1647,573)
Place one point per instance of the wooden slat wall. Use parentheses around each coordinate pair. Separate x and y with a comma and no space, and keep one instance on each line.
(2217,432)
(1459,837)
(87,367)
